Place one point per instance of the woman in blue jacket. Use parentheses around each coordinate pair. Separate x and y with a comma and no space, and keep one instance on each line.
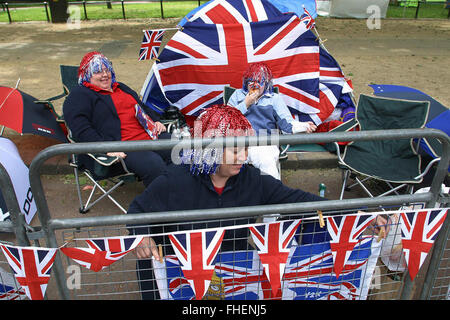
(102,109)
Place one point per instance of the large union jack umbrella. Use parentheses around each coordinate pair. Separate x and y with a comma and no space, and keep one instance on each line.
(215,47)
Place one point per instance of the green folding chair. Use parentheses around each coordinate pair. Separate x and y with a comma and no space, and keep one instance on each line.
(395,162)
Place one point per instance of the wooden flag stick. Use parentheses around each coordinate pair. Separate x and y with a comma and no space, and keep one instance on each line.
(321,220)
(160,254)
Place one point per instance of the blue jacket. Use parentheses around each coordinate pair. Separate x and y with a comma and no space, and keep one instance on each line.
(92,116)
(178,189)
(269,113)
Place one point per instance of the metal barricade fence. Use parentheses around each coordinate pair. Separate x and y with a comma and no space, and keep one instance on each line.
(56,231)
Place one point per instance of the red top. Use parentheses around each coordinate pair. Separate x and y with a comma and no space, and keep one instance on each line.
(219,190)
(130,128)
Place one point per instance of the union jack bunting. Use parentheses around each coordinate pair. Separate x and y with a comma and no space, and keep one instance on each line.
(196,252)
(274,241)
(32,268)
(345,232)
(198,62)
(102,252)
(419,230)
(150,44)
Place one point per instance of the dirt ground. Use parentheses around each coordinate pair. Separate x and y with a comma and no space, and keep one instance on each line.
(404,52)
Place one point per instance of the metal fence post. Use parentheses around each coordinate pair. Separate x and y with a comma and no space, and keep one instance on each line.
(7,11)
(162,10)
(123,10)
(85,11)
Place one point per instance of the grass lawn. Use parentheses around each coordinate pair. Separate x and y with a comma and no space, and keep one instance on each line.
(173,9)
(100,11)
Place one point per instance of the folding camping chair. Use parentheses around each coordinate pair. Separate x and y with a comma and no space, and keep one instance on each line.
(99,168)
(395,162)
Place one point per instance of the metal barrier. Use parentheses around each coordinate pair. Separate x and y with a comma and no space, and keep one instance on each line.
(51,225)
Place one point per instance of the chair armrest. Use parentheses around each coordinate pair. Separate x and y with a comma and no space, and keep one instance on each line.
(103,159)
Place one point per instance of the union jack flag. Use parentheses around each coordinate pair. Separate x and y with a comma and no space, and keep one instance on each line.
(243,276)
(196,252)
(150,44)
(102,252)
(178,286)
(9,289)
(308,275)
(198,62)
(234,11)
(344,232)
(274,241)
(32,268)
(309,272)
(419,229)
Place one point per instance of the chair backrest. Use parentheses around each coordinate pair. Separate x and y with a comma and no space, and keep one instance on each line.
(69,77)
(392,160)
(376,113)
(228,91)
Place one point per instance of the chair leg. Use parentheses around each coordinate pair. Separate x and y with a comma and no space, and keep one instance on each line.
(105,194)
(345,175)
(81,208)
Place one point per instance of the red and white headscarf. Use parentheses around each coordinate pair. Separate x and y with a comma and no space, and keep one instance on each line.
(93,62)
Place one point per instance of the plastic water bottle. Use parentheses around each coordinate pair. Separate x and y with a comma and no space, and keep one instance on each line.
(185,133)
(176,133)
(322,189)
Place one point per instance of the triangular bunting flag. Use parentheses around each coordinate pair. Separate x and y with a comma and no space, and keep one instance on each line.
(32,267)
(196,252)
(102,252)
(344,232)
(419,230)
(274,241)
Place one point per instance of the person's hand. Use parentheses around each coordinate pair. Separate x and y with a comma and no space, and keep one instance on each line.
(146,249)
(381,226)
(251,98)
(117,154)
(160,127)
(308,127)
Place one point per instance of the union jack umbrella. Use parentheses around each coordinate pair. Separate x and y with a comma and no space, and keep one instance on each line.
(196,252)
(102,252)
(274,241)
(308,98)
(419,230)
(150,44)
(345,232)
(32,267)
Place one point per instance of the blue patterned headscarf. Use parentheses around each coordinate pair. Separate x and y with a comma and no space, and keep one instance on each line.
(93,62)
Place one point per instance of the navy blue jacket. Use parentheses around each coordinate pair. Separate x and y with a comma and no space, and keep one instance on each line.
(91,116)
(178,189)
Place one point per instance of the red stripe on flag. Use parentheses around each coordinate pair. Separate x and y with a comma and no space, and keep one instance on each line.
(114,245)
(185,48)
(278,37)
(252,11)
